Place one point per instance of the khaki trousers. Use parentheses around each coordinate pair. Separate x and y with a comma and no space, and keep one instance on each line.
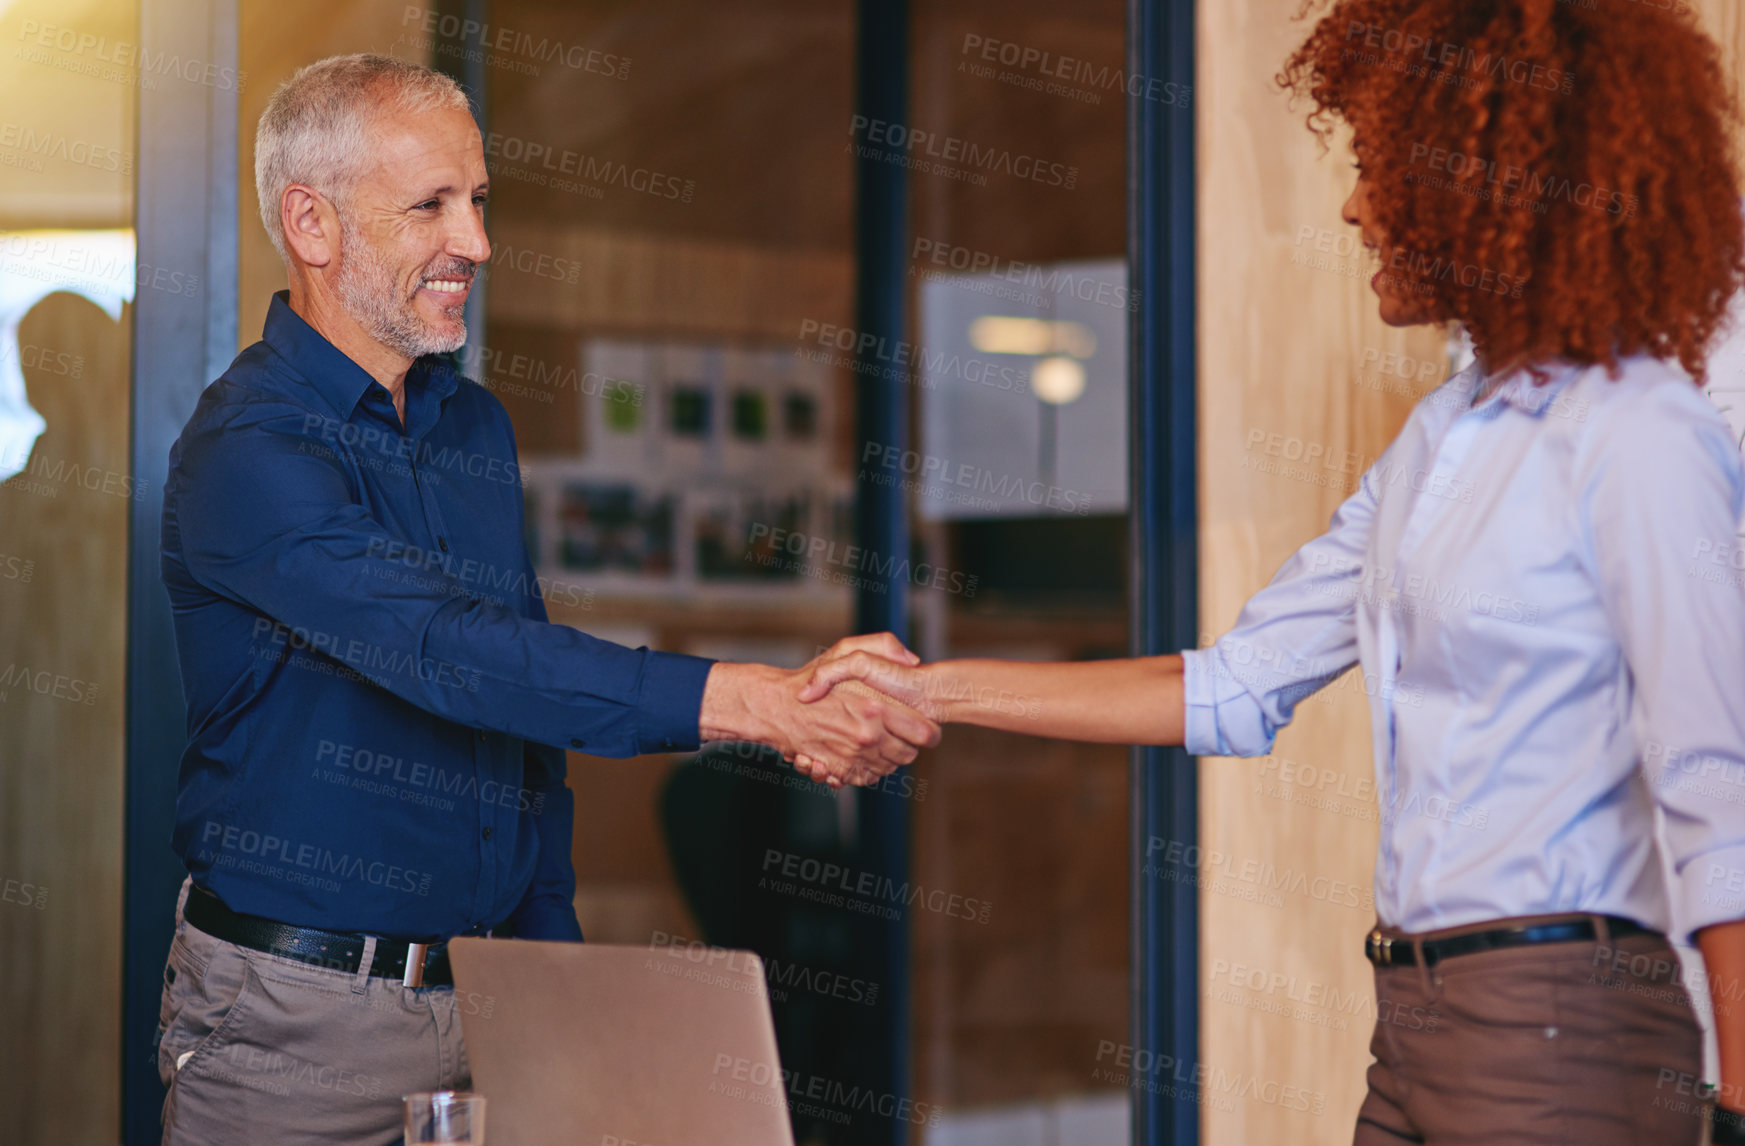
(1558,1044)
(258,1048)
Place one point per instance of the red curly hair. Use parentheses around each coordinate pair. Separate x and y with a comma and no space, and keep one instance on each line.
(1558,176)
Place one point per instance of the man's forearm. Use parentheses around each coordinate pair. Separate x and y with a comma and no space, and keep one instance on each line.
(738,700)
(1723,948)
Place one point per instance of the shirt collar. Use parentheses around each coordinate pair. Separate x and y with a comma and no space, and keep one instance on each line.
(342,382)
(1519,391)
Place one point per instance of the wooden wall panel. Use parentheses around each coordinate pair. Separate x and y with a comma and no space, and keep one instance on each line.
(1291,346)
(1286,321)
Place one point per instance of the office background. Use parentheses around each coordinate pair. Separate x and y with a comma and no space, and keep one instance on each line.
(673,316)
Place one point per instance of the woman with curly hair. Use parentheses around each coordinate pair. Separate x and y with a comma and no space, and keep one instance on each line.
(1540,563)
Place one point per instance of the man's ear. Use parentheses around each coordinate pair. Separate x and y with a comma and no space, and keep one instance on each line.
(311,225)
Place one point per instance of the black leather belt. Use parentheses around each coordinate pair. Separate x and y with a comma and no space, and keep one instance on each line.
(1386,951)
(414,964)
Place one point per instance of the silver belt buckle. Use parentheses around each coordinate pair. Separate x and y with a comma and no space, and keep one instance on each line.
(414,976)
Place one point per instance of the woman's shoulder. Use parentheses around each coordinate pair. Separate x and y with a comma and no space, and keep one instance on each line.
(1646,394)
(1655,422)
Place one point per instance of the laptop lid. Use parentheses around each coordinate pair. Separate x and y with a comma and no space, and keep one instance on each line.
(586,1044)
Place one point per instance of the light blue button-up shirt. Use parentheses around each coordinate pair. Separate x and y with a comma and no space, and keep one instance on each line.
(1546,593)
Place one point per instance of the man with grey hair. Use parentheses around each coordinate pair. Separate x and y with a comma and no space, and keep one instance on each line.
(378,707)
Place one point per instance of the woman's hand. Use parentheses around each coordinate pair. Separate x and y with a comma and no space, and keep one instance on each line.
(902,681)
(869,655)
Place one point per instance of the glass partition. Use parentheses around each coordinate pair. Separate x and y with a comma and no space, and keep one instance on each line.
(68,275)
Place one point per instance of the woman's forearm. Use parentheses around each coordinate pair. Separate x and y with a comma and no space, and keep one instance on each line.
(1135,701)
(1723,948)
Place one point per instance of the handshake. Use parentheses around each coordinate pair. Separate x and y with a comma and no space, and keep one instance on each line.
(853,715)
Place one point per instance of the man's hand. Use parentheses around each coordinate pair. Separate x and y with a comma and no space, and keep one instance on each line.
(845,736)
(859,670)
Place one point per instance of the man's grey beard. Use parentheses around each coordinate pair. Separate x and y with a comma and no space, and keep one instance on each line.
(366,288)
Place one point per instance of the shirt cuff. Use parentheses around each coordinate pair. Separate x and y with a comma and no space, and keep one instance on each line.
(1711,889)
(671,703)
(545,917)
(1219,716)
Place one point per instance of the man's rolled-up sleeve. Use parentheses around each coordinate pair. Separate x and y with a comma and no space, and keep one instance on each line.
(267,517)
(1291,639)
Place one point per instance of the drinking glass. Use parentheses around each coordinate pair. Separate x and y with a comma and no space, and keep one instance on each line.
(454,1117)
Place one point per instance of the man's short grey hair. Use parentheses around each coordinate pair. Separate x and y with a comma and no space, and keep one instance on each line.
(316,129)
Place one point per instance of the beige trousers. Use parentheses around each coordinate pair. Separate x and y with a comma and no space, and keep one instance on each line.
(258,1048)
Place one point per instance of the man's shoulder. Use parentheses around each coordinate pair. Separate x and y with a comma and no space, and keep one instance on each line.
(258,379)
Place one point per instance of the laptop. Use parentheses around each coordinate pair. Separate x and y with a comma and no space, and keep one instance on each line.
(586,1044)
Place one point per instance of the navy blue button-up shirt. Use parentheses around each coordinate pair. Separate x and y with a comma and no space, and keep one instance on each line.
(378,708)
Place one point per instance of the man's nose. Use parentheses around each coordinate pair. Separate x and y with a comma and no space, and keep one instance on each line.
(467,239)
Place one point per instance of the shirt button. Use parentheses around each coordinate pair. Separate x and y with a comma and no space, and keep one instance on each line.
(481,734)
(443,541)
(575,743)
(487,833)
